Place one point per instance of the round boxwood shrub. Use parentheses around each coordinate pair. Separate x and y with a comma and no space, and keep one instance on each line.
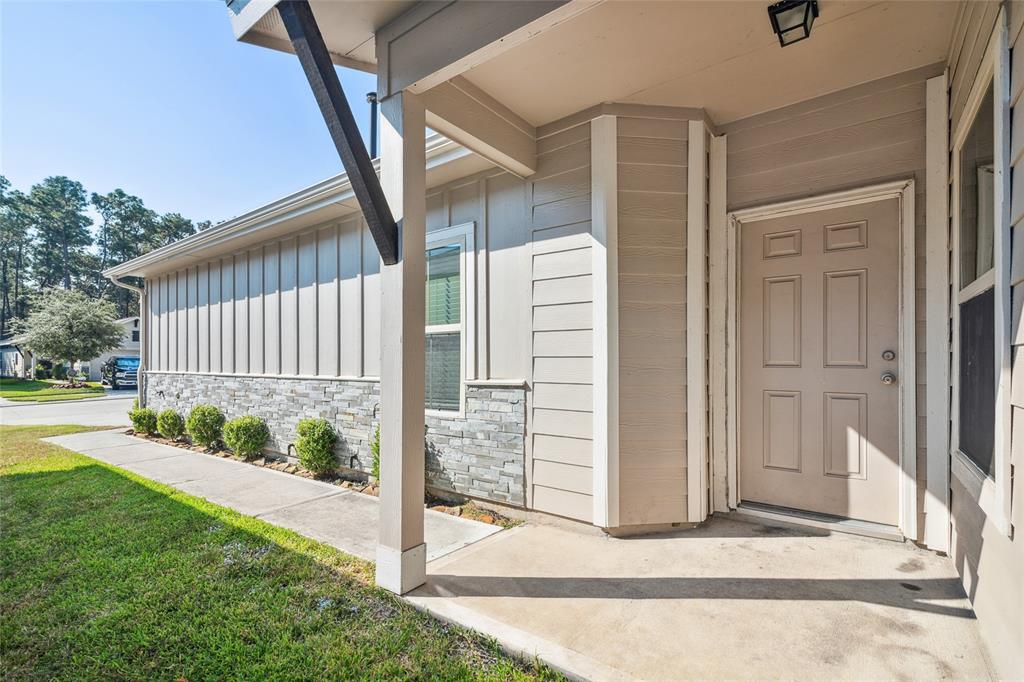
(204,425)
(246,436)
(170,424)
(315,445)
(143,419)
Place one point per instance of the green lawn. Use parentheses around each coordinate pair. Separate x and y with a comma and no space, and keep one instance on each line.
(105,575)
(27,390)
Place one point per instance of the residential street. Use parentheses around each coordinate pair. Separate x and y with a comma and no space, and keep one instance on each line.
(109,411)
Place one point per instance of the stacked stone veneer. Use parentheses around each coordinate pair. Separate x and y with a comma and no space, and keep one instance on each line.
(479,454)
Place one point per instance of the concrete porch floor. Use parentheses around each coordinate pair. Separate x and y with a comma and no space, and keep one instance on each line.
(730,600)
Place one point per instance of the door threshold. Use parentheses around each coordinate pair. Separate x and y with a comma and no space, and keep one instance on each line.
(838,524)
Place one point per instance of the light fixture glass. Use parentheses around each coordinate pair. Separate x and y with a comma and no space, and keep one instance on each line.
(792,19)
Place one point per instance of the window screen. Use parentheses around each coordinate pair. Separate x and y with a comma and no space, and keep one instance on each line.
(978,379)
(444,330)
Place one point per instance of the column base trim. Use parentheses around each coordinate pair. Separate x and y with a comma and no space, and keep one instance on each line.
(401,571)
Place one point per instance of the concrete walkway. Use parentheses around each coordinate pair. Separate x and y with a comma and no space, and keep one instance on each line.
(336,516)
(730,600)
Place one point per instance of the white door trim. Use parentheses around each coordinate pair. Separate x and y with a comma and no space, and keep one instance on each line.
(903,191)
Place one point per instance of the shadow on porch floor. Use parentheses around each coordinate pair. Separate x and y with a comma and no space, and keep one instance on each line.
(728,600)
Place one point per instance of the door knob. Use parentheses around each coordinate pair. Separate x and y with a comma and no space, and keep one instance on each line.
(888,378)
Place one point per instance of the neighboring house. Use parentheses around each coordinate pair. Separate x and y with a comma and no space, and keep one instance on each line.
(129,348)
(15,360)
(669,269)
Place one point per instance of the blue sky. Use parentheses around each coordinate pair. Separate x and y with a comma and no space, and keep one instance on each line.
(158,98)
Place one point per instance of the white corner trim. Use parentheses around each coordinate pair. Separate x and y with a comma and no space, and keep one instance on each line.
(903,191)
(936,500)
(718,262)
(696,310)
(604,219)
(401,571)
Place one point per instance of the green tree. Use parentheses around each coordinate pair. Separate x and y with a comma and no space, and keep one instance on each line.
(60,255)
(15,224)
(123,234)
(170,228)
(69,326)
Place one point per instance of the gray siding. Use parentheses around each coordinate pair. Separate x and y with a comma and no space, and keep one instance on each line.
(867,134)
(990,563)
(652,158)
(562,346)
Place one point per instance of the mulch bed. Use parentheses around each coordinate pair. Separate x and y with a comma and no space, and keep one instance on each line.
(467,509)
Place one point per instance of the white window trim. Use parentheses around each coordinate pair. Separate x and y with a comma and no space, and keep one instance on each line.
(991,494)
(462,235)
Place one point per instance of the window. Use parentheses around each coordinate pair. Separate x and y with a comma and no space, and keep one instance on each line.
(976,398)
(447,309)
(135,335)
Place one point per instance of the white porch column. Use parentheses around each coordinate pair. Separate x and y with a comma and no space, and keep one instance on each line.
(401,552)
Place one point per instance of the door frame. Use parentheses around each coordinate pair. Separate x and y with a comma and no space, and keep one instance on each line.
(903,192)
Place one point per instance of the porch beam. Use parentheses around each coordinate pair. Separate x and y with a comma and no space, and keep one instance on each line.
(316,62)
(401,551)
(433,41)
(462,112)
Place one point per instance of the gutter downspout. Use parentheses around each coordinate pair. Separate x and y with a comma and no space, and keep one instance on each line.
(143,336)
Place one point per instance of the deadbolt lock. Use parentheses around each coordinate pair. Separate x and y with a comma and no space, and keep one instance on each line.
(888,355)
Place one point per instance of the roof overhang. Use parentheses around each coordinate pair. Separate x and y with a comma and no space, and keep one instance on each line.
(348,27)
(328,200)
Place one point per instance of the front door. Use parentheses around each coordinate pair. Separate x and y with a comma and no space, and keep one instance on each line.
(819,326)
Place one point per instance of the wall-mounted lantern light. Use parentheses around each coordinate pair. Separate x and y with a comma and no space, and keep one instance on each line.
(792,19)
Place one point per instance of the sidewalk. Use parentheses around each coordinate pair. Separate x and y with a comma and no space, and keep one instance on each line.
(335,516)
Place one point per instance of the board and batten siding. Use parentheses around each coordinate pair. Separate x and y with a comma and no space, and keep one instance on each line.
(989,561)
(292,306)
(652,208)
(309,304)
(864,135)
(561,425)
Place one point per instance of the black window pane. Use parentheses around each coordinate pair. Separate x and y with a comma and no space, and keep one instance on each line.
(978,379)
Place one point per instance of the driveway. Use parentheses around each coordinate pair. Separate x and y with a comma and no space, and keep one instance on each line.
(111,410)
(729,600)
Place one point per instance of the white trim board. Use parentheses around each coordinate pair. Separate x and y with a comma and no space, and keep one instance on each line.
(605,277)
(696,320)
(903,191)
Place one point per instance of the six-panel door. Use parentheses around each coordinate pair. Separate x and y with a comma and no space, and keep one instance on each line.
(819,398)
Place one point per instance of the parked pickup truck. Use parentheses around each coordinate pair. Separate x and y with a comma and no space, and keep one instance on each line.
(121,372)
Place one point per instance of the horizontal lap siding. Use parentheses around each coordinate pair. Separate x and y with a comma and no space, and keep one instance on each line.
(562,343)
(868,134)
(652,157)
(990,562)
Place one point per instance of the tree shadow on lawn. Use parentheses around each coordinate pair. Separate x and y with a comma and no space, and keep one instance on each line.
(106,574)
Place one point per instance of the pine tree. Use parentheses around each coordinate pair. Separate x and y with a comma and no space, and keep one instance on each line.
(123,234)
(15,222)
(59,255)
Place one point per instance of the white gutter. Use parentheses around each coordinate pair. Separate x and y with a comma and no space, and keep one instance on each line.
(140,375)
(440,151)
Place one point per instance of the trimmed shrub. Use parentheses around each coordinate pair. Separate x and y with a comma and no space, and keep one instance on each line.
(204,425)
(143,420)
(315,445)
(170,424)
(375,449)
(246,436)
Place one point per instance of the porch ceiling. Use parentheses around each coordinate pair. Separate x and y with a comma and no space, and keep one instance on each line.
(721,56)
